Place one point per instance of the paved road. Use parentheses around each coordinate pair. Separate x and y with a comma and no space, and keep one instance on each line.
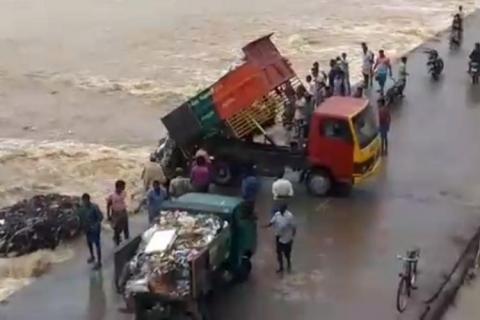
(344,255)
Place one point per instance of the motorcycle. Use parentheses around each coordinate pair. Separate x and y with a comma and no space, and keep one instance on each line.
(474,72)
(455,39)
(394,93)
(435,64)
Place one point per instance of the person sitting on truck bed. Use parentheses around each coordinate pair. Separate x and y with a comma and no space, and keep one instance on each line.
(200,175)
(301,110)
(180,184)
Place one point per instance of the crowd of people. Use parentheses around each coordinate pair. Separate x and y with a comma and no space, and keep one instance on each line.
(157,189)
(319,85)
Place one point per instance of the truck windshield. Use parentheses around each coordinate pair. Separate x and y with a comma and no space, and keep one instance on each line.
(365,126)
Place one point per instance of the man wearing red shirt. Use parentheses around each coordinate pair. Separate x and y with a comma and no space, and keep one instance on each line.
(384,119)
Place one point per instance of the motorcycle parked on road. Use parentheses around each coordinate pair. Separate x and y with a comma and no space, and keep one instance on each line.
(474,71)
(395,92)
(434,64)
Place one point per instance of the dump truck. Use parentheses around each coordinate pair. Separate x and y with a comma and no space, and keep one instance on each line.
(207,242)
(236,119)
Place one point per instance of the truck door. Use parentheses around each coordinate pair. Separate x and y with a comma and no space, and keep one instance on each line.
(331,146)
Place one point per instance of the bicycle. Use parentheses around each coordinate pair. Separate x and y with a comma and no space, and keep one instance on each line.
(408,278)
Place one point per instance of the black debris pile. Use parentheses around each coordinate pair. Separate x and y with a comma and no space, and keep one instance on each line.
(41,222)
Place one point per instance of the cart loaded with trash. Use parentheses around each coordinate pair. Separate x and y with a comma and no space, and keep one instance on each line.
(199,242)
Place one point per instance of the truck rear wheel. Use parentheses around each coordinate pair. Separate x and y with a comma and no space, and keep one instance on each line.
(319,183)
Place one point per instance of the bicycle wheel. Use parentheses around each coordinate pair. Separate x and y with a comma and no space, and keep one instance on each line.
(403,294)
(413,276)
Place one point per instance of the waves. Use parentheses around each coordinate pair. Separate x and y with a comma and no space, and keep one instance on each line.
(16,273)
(29,167)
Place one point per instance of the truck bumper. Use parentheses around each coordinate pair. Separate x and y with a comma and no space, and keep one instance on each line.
(361,178)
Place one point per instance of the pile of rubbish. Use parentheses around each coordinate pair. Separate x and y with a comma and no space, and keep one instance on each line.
(38,223)
(162,262)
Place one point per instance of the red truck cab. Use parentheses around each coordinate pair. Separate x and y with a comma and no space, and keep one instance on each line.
(343,144)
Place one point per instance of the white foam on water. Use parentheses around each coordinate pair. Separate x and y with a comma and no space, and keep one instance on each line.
(165,67)
(16,273)
(29,167)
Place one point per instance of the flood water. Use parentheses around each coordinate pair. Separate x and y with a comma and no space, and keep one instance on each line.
(77,78)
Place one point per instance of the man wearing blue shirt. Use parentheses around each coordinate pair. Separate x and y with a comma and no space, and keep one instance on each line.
(91,220)
(250,187)
(155,197)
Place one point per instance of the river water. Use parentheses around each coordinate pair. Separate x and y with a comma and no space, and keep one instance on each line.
(82,83)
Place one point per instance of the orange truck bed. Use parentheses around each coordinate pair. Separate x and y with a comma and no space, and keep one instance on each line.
(244,100)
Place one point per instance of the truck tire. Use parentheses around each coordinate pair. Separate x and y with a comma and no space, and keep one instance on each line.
(319,182)
(223,175)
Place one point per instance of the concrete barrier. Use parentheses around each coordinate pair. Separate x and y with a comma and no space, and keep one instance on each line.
(437,305)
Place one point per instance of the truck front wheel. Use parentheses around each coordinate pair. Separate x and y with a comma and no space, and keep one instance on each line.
(319,183)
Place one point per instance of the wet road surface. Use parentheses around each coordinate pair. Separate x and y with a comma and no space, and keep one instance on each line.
(344,254)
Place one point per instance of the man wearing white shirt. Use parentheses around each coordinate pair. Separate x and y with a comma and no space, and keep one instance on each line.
(282,190)
(285,228)
(367,65)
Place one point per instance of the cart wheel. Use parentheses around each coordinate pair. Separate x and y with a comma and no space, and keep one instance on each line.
(319,183)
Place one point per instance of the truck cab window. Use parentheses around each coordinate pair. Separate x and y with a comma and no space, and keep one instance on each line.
(365,126)
(337,129)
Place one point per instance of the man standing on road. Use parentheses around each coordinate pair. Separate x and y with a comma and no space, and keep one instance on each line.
(117,212)
(250,188)
(91,219)
(285,230)
(382,69)
(384,119)
(346,74)
(367,64)
(402,74)
(282,190)
(155,197)
(474,57)
(460,12)
(310,85)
